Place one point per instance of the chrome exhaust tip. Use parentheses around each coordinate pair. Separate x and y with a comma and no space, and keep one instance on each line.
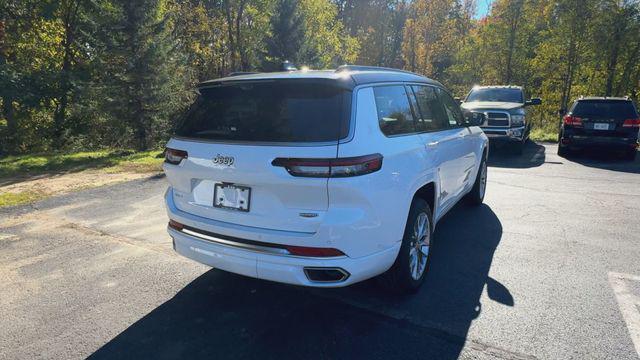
(326,275)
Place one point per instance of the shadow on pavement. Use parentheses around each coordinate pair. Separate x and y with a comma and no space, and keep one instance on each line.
(605,159)
(222,315)
(533,155)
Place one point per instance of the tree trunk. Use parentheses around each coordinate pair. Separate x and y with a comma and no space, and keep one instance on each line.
(59,116)
(611,66)
(514,22)
(232,45)
(632,61)
(12,125)
(8,112)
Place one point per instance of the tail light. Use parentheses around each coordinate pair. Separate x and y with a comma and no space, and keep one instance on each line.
(572,120)
(173,156)
(631,123)
(324,168)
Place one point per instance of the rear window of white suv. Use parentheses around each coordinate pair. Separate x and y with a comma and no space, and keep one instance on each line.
(268,111)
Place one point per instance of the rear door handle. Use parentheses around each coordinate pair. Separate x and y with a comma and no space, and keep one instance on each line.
(433,144)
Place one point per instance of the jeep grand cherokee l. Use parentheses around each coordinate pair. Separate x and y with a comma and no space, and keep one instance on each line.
(320,178)
(600,122)
(505,113)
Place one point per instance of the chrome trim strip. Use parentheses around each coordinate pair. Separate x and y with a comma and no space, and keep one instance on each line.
(486,114)
(249,247)
(257,248)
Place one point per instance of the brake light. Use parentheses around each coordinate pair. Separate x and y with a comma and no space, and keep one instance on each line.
(341,167)
(572,120)
(313,251)
(173,156)
(631,123)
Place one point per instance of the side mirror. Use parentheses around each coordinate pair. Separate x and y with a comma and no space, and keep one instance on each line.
(459,100)
(561,112)
(473,118)
(533,101)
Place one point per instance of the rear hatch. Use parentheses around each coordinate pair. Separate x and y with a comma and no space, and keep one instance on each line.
(605,117)
(232,134)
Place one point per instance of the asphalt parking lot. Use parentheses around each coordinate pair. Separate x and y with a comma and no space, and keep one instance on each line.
(548,268)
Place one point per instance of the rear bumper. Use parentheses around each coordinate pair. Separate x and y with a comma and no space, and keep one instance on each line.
(514,134)
(600,141)
(267,265)
(283,269)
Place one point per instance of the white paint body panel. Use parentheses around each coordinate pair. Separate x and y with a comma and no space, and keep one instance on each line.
(362,216)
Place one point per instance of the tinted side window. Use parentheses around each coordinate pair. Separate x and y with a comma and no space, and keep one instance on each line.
(431,116)
(394,112)
(452,109)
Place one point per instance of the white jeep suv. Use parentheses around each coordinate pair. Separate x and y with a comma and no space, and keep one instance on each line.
(320,178)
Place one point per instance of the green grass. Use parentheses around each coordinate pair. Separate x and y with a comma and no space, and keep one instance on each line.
(11,199)
(110,160)
(544,135)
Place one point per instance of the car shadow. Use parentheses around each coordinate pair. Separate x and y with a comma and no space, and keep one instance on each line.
(222,315)
(500,155)
(605,159)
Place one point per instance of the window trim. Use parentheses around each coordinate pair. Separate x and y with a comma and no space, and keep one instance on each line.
(350,96)
(409,84)
(403,85)
(435,89)
(460,126)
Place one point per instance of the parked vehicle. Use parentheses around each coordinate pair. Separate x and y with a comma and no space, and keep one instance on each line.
(504,108)
(604,122)
(321,178)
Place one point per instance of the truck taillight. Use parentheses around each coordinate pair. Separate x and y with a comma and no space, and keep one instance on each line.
(174,156)
(631,123)
(340,167)
(572,120)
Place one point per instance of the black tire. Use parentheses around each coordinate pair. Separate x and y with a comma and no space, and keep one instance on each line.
(399,277)
(563,151)
(476,195)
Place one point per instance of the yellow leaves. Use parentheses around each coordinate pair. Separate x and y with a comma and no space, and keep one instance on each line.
(429,35)
(325,34)
(41,46)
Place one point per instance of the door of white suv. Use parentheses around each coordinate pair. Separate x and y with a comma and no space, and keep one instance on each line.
(467,150)
(446,142)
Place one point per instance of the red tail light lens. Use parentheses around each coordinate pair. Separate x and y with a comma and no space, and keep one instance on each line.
(631,123)
(313,251)
(341,167)
(173,156)
(572,120)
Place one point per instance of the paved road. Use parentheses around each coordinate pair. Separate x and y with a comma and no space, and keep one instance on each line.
(547,269)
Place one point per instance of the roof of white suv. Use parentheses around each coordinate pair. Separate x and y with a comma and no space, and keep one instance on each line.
(348,76)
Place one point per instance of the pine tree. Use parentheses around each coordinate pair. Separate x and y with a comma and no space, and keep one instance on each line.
(287,35)
(139,68)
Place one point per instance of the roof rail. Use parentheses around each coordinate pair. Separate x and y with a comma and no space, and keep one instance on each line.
(238,73)
(345,67)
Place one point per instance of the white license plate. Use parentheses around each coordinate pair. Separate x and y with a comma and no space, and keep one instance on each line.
(229,196)
(600,126)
